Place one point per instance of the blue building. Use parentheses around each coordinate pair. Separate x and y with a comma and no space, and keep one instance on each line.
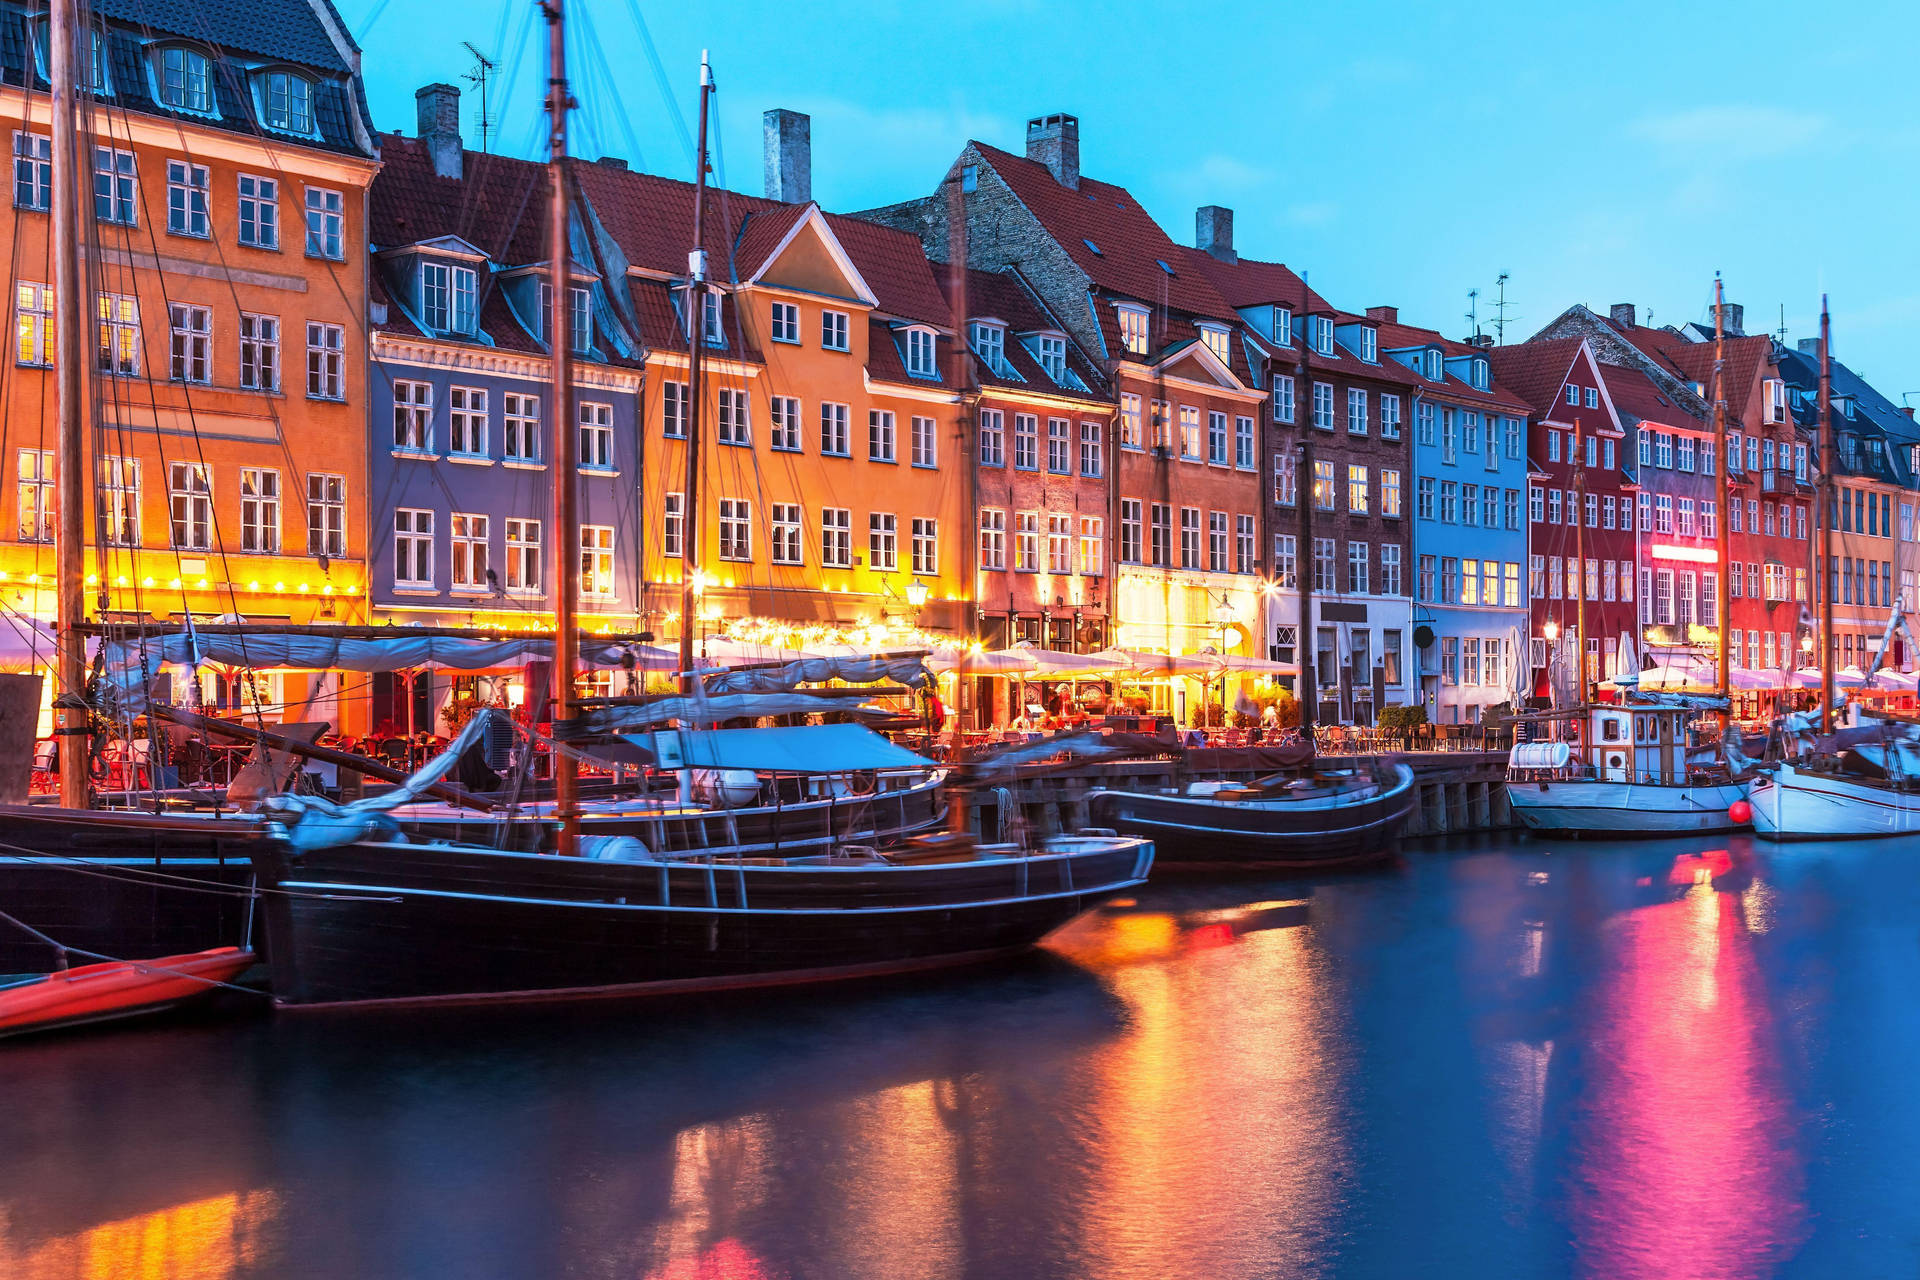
(1470,610)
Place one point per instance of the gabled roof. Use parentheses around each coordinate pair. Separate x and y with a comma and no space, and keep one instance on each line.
(1535,371)
(1634,395)
(1746,355)
(1247,283)
(1004,296)
(498,204)
(1396,336)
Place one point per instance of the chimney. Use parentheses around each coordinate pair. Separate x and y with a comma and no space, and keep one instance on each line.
(611,162)
(1621,313)
(1811,347)
(439,111)
(1734,317)
(1480,340)
(1055,142)
(788,169)
(1384,315)
(1213,232)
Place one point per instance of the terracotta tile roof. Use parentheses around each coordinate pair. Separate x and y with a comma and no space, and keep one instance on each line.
(499,323)
(1634,395)
(397,321)
(1693,361)
(1001,295)
(1247,283)
(498,205)
(1396,336)
(1535,371)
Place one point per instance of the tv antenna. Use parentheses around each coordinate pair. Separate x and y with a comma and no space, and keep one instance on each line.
(1473,312)
(1500,308)
(483,70)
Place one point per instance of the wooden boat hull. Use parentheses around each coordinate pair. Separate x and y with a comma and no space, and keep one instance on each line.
(1200,833)
(117,989)
(394,922)
(1794,804)
(1621,809)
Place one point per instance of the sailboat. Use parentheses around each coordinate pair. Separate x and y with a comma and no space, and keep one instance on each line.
(354,915)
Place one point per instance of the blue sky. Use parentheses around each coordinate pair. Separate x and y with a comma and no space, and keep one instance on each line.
(1399,154)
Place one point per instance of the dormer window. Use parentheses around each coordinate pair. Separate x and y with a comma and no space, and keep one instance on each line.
(1283,326)
(920,353)
(1133,329)
(185,79)
(286,102)
(579,319)
(1480,374)
(98,83)
(990,344)
(1321,327)
(1051,352)
(447,297)
(1217,341)
(1435,369)
(1370,345)
(1776,400)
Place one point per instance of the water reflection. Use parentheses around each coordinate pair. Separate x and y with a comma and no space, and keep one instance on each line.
(211,1239)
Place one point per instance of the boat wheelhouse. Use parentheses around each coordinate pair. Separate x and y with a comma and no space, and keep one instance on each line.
(1629,768)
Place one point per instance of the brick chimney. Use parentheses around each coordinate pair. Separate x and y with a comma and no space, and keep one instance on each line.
(438,106)
(788,170)
(1385,315)
(1213,232)
(1055,142)
(1621,313)
(1734,316)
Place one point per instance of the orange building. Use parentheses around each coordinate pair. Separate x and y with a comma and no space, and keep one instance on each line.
(226,255)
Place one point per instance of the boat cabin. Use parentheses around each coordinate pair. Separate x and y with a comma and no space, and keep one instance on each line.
(1657,745)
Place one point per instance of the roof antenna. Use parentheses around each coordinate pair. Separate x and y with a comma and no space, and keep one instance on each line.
(1782,330)
(1500,309)
(483,70)
(1473,313)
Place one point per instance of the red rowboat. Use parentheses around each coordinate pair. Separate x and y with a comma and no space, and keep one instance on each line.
(115,989)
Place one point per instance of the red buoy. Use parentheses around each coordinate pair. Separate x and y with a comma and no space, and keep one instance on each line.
(1740,812)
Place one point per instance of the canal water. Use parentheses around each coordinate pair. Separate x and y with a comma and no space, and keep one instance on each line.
(1518,1058)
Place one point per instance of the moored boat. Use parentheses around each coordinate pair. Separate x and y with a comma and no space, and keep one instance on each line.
(115,989)
(1641,768)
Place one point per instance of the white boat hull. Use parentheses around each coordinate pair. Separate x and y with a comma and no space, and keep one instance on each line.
(1625,808)
(1791,804)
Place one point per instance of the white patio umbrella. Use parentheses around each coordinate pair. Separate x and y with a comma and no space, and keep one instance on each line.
(1202,665)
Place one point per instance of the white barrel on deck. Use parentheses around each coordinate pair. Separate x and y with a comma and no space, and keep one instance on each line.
(1539,755)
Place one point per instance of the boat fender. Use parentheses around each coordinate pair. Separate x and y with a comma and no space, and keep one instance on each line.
(614,848)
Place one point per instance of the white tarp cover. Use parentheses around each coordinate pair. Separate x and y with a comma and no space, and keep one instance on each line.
(726,706)
(820,748)
(910,672)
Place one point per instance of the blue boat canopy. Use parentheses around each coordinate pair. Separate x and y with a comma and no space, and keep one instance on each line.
(820,748)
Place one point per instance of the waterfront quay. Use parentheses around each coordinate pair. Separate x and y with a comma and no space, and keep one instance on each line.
(1497,1056)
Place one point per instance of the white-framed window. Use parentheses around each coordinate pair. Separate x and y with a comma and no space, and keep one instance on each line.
(33,324)
(1389,417)
(673,525)
(1283,397)
(883,541)
(1286,561)
(1243,443)
(580,317)
(448,297)
(835,434)
(1059,446)
(1160,424)
(1026,442)
(187,199)
(1390,492)
(1243,544)
(993,538)
(1189,432)
(734,427)
(119,349)
(993,438)
(674,410)
(326,372)
(1774,401)
(1356,411)
(880,435)
(413,547)
(114,186)
(190,506)
(736,529)
(119,508)
(787,532)
(1189,537)
(596,562)
(783,423)
(1026,542)
(1323,406)
(523,555)
(1059,543)
(32,171)
(1218,341)
(1593,397)
(713,329)
(925,551)
(520,421)
(1322,329)
(1092,449)
(1130,437)
(833,331)
(920,353)
(1133,329)
(925,442)
(1359,560)
(286,102)
(1051,352)
(326,514)
(596,436)
(1358,489)
(1369,344)
(36,495)
(467,413)
(1130,531)
(412,416)
(326,221)
(784,322)
(1093,546)
(468,550)
(259,509)
(191,343)
(259,352)
(836,538)
(1390,584)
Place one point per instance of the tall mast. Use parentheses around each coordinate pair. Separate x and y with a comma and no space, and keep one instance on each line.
(696,341)
(1580,557)
(1308,637)
(1827,513)
(1723,586)
(566,523)
(71,718)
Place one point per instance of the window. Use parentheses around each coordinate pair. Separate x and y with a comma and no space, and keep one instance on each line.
(1662,449)
(1216,438)
(1424,499)
(186,199)
(925,442)
(467,421)
(1218,341)
(880,436)
(259,509)
(1160,425)
(523,555)
(413,416)
(1470,430)
(580,317)
(1322,486)
(833,330)
(835,434)
(736,529)
(1553,506)
(1189,432)
(192,336)
(1059,544)
(190,504)
(1359,557)
(1243,442)
(991,538)
(1390,584)
(1593,397)
(785,325)
(993,436)
(1093,546)
(713,328)
(1683,453)
(787,534)
(1026,541)
(1322,329)
(413,547)
(1244,552)
(733,426)
(1450,501)
(990,344)
(326,514)
(920,349)
(783,425)
(1282,398)
(926,545)
(1323,406)
(1469,504)
(1026,442)
(1286,561)
(447,295)
(1189,537)
(673,524)
(1129,421)
(1512,508)
(1389,417)
(596,436)
(1217,542)
(119,335)
(324,224)
(521,422)
(286,102)
(113,186)
(1356,411)
(1059,447)
(32,171)
(1091,449)
(1160,547)
(119,509)
(1449,446)
(883,542)
(1357,489)
(36,495)
(1390,493)
(1663,513)
(259,352)
(1133,329)
(33,324)
(326,344)
(1323,565)
(1129,552)
(1285,480)
(1423,423)
(467,547)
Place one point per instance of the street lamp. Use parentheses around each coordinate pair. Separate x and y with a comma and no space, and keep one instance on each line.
(1551,631)
(916,593)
